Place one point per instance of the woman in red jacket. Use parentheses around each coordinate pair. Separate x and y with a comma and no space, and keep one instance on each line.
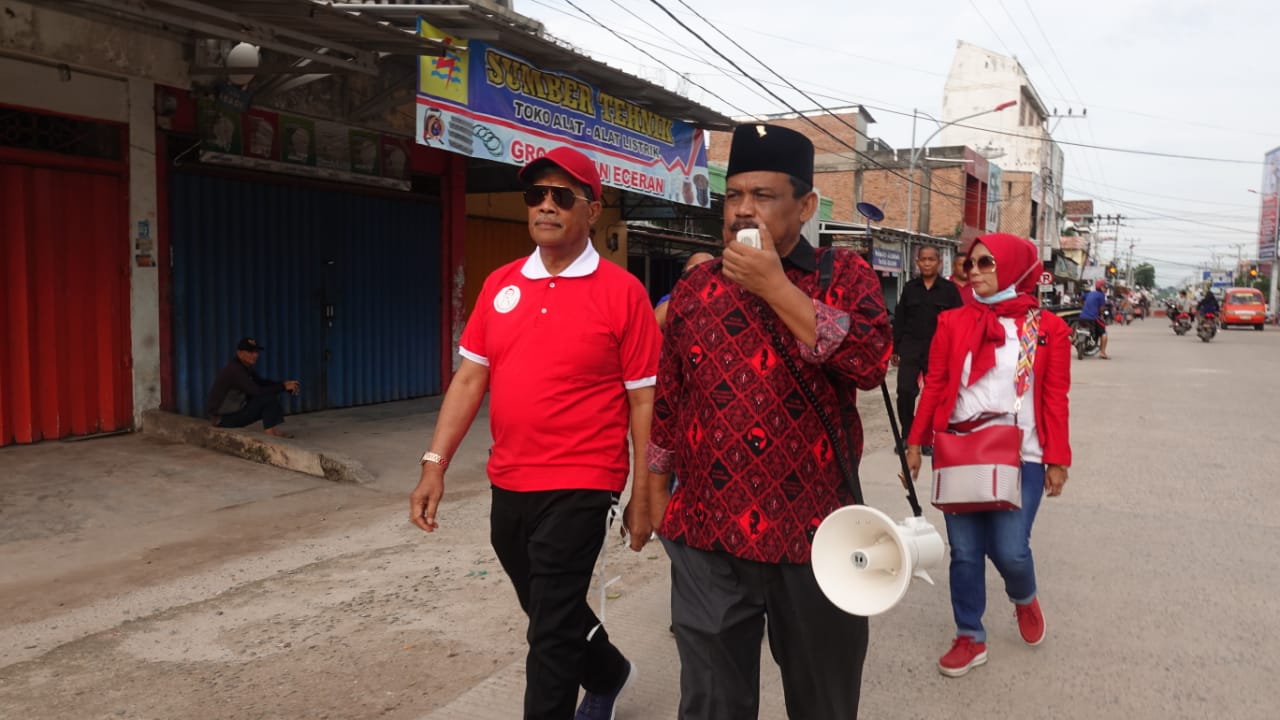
(974,376)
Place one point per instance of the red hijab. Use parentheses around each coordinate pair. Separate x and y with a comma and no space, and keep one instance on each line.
(1018,266)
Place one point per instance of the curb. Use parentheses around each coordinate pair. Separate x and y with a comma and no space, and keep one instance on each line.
(256,447)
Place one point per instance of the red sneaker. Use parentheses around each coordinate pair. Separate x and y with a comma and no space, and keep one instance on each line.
(965,654)
(1030,621)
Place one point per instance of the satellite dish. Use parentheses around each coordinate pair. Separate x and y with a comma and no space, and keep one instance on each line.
(870,212)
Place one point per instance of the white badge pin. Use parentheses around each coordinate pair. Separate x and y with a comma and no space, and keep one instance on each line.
(507,299)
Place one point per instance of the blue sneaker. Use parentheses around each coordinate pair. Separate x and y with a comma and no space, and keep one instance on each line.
(602,707)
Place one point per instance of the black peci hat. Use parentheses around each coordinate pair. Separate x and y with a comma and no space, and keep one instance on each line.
(772,148)
(249,344)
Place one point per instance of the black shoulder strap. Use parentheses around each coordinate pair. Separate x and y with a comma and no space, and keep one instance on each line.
(826,261)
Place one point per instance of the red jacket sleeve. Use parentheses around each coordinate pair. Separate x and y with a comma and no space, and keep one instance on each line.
(1052,412)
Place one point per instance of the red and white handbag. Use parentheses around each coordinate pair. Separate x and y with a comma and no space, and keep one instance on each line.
(979,470)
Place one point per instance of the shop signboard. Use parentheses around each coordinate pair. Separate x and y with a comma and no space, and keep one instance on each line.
(1269,218)
(487,103)
(886,258)
(993,197)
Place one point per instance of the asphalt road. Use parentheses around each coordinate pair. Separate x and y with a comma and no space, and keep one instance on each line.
(279,596)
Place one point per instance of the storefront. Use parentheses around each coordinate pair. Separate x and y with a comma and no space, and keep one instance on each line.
(889,252)
(64,276)
(322,240)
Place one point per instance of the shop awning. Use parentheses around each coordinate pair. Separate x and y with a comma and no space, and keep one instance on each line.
(332,37)
(528,38)
(664,241)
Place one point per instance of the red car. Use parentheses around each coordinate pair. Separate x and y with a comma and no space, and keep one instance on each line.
(1244,306)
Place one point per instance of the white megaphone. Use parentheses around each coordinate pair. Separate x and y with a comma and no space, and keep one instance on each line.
(864,561)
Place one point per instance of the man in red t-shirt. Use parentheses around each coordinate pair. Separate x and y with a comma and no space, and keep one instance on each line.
(759,465)
(567,347)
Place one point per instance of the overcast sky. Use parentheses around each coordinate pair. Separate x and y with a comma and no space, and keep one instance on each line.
(1178,77)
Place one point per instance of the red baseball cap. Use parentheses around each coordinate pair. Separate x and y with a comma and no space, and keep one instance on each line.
(579,166)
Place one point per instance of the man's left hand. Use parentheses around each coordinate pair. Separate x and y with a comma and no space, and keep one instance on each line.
(636,524)
(759,271)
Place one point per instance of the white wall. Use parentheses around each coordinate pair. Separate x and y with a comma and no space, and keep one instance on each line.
(980,80)
(123,50)
(144,288)
(38,85)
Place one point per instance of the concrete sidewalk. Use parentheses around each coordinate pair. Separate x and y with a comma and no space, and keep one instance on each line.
(374,445)
(379,445)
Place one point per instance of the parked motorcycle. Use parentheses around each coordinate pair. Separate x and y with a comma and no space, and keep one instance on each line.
(1207,327)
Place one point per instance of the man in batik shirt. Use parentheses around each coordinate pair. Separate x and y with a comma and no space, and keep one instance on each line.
(758,470)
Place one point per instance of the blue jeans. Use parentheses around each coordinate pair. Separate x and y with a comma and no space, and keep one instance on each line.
(1005,537)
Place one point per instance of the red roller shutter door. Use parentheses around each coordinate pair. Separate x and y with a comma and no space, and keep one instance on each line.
(64,303)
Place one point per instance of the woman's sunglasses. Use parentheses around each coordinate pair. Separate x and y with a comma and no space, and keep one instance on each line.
(563,197)
(986,264)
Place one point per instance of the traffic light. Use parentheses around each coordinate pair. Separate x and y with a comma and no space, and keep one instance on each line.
(1253,272)
(1111,271)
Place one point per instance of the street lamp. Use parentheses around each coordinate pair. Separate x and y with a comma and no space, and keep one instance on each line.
(915,154)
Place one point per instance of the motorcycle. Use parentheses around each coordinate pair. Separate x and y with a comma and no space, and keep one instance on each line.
(1181,323)
(1082,337)
(1081,332)
(1207,327)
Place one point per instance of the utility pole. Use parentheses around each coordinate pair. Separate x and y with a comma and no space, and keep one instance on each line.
(1239,261)
(1115,222)
(1132,242)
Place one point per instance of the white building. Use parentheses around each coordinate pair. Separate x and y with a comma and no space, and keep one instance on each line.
(1017,139)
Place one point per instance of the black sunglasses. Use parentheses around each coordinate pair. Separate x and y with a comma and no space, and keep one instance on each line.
(986,263)
(564,197)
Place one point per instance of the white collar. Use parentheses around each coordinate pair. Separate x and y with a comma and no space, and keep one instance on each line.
(583,265)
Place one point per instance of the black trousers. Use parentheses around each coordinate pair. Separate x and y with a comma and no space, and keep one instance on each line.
(910,368)
(547,543)
(264,407)
(719,606)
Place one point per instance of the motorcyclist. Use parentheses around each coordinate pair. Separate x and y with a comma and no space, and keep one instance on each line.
(1091,313)
(1183,304)
(1208,304)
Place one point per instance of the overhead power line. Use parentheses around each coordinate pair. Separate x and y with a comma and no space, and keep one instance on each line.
(779,98)
(647,53)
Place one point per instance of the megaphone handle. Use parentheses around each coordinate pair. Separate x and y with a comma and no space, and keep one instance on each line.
(901,450)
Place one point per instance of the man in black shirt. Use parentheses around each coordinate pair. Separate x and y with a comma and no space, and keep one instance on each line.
(914,322)
(241,397)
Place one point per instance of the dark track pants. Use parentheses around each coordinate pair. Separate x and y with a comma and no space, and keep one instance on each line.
(909,371)
(719,605)
(548,543)
(264,407)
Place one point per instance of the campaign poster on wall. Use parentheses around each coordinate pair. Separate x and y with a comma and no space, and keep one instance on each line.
(487,103)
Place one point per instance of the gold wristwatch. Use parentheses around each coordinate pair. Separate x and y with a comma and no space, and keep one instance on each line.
(434,457)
